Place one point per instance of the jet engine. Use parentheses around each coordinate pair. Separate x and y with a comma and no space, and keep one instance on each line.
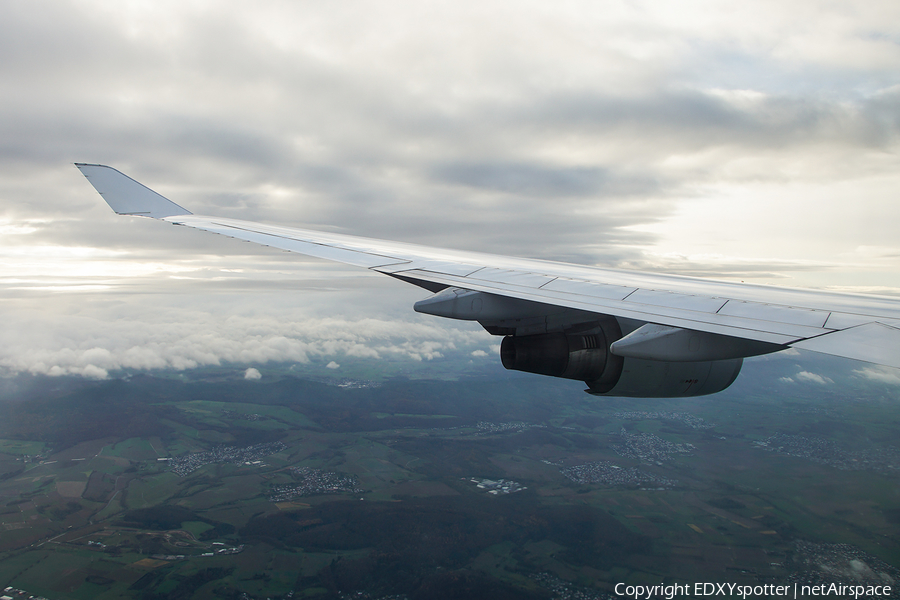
(585,355)
(650,361)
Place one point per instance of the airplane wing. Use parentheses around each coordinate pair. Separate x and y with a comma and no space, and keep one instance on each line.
(664,317)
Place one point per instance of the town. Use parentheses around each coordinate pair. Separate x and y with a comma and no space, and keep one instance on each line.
(649,448)
(313,482)
(487,427)
(827,452)
(565,590)
(606,473)
(685,418)
(249,455)
(841,563)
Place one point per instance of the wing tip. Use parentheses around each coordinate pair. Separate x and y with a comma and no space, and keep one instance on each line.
(127,196)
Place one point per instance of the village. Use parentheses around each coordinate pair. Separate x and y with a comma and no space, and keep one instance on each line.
(248,455)
(606,473)
(313,482)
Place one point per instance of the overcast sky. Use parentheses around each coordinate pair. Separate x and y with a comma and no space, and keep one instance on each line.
(748,140)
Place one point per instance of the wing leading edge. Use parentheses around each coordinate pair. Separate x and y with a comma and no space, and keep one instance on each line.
(739,319)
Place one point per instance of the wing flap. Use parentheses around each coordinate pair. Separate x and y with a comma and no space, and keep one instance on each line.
(677,300)
(512,277)
(775,313)
(872,342)
(586,288)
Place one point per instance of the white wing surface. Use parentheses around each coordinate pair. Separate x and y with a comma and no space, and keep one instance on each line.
(859,327)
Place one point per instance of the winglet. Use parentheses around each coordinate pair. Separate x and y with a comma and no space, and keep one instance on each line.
(126,196)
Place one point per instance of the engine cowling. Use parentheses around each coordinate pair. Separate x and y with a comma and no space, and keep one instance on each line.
(657,379)
(583,354)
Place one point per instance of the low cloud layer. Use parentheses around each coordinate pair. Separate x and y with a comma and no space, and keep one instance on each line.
(94,338)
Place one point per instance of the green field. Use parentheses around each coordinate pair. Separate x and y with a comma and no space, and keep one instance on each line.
(19,447)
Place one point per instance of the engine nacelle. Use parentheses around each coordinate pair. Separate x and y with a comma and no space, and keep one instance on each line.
(584,354)
(657,379)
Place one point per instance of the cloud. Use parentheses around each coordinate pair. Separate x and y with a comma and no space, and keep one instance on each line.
(93,372)
(93,336)
(812,378)
(332,365)
(880,374)
(540,180)
(252,373)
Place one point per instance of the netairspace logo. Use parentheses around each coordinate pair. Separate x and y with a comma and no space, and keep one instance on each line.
(699,590)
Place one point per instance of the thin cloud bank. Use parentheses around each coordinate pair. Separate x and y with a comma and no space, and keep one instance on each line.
(94,346)
(807,377)
(880,374)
